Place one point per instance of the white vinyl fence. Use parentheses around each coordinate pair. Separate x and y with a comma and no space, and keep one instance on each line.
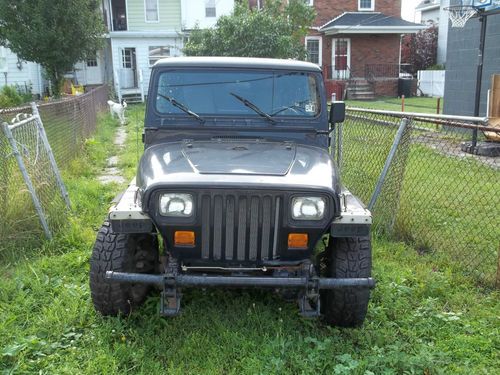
(431,82)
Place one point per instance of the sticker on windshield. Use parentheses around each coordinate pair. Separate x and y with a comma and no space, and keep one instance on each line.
(310,108)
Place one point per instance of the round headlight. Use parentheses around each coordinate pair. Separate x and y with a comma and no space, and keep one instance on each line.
(176,204)
(308,208)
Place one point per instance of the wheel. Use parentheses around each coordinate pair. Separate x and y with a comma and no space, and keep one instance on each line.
(347,258)
(125,253)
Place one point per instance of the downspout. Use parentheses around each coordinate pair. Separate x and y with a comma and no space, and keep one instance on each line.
(40,88)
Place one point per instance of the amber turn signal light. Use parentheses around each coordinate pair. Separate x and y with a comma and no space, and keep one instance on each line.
(184,238)
(297,240)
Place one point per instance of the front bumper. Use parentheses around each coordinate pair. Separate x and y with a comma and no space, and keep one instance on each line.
(181,280)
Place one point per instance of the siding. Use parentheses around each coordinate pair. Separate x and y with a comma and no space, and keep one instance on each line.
(141,46)
(461,65)
(28,75)
(170,16)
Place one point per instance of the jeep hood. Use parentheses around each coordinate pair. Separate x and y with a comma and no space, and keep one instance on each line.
(238,164)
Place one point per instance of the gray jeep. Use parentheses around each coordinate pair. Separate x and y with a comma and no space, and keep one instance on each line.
(236,188)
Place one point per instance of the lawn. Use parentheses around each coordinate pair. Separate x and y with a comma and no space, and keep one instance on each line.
(424,317)
(413,104)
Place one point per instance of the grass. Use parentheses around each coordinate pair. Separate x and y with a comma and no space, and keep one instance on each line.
(414,104)
(424,317)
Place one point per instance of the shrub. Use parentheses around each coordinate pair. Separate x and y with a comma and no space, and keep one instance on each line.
(10,97)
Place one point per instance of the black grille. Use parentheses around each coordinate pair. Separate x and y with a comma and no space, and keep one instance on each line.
(240,227)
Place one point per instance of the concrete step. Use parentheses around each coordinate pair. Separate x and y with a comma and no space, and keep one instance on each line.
(132,98)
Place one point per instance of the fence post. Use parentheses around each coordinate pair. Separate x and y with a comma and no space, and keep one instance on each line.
(27,180)
(53,163)
(388,162)
(339,147)
(497,281)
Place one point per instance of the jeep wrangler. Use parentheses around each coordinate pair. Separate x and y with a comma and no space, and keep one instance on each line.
(236,188)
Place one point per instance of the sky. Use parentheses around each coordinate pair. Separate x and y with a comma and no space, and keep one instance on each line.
(408,10)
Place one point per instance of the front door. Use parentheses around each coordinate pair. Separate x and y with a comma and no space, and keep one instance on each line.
(341,58)
(128,71)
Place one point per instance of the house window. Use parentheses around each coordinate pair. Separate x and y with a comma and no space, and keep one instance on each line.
(313,47)
(210,9)
(151,10)
(127,58)
(309,2)
(366,4)
(92,62)
(3,59)
(157,53)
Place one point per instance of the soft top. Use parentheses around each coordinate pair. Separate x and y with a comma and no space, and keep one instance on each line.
(237,62)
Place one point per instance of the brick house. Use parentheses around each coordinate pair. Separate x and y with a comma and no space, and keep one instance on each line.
(357,44)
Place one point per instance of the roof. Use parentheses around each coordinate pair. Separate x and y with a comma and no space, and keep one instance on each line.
(239,62)
(428,5)
(369,22)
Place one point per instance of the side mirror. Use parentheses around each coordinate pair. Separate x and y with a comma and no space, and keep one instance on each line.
(337,112)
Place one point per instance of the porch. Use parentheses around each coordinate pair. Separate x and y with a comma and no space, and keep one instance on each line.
(364,81)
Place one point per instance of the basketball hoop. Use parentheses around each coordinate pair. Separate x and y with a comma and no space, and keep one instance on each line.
(460,14)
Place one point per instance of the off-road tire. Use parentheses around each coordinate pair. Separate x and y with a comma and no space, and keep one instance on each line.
(125,253)
(347,258)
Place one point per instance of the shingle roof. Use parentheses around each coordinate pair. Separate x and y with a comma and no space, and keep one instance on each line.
(369,19)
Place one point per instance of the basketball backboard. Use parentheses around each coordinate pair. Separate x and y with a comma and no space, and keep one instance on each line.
(486,5)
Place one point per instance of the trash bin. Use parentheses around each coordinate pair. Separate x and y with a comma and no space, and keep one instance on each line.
(404,87)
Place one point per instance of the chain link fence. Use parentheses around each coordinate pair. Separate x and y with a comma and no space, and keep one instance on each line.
(67,123)
(434,196)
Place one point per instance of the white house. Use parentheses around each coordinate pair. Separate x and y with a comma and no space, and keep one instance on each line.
(140,32)
(14,71)
(204,13)
(433,13)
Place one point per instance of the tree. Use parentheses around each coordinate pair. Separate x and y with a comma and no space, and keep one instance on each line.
(54,33)
(420,50)
(275,31)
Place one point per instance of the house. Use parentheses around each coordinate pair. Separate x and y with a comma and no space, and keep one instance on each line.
(433,12)
(357,43)
(140,32)
(17,72)
(462,64)
(429,11)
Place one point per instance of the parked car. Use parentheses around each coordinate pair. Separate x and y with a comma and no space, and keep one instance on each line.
(236,188)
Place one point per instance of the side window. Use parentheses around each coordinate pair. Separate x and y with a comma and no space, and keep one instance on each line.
(92,62)
(151,10)
(313,47)
(366,4)
(210,9)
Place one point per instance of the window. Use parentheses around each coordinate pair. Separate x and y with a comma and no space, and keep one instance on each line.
(157,53)
(212,92)
(92,62)
(3,59)
(313,47)
(127,58)
(151,10)
(366,4)
(309,2)
(210,9)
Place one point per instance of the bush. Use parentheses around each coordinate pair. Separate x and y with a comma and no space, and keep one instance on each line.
(11,97)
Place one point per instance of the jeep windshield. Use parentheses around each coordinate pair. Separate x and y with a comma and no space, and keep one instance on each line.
(250,94)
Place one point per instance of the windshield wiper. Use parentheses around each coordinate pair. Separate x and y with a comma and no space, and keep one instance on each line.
(252,106)
(182,107)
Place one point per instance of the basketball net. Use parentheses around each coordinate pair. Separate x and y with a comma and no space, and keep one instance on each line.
(460,14)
